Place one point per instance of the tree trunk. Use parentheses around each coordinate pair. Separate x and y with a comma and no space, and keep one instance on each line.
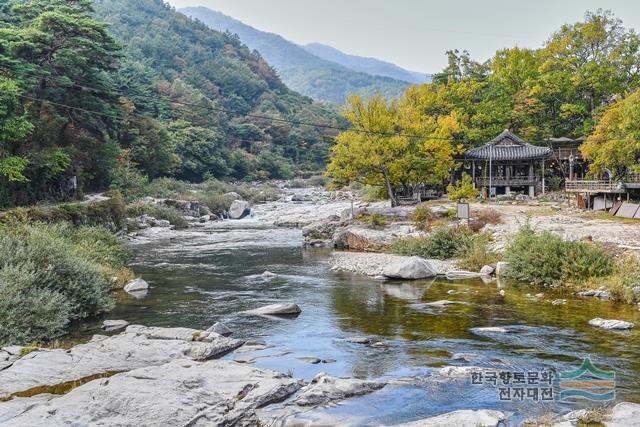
(390,191)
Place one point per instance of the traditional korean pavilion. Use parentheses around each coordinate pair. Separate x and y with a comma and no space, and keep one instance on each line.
(508,163)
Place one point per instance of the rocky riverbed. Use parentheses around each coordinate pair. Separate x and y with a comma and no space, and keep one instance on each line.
(342,341)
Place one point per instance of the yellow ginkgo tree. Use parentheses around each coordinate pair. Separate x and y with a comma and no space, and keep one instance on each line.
(391,145)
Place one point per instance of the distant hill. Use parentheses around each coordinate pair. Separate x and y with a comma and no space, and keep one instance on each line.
(299,69)
(371,66)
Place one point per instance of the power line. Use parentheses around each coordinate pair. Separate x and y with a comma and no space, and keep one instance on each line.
(399,133)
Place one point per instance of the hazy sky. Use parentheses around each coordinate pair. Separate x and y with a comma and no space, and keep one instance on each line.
(415,33)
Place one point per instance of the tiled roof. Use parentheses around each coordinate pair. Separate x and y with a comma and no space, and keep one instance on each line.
(508,146)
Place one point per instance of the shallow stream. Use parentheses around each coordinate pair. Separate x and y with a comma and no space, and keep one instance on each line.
(202,276)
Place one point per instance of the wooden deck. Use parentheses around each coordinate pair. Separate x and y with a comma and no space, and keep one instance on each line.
(603,186)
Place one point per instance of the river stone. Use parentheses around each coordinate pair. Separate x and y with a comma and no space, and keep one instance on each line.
(136,285)
(239,209)
(286,309)
(324,389)
(310,360)
(461,275)
(611,324)
(595,293)
(501,268)
(114,325)
(409,268)
(491,330)
(559,302)
(358,340)
(622,415)
(181,392)
(463,418)
(137,347)
(232,195)
(220,328)
(487,270)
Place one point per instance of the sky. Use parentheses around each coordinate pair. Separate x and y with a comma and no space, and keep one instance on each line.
(415,34)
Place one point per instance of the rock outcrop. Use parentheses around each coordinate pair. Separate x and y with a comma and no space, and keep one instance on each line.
(137,347)
(324,389)
(181,392)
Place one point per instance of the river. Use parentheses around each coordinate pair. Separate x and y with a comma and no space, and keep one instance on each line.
(202,276)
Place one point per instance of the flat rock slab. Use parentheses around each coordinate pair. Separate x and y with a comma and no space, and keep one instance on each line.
(611,324)
(137,347)
(325,389)
(462,275)
(182,392)
(276,310)
(464,418)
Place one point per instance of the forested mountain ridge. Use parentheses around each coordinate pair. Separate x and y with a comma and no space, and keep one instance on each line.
(363,64)
(96,92)
(300,70)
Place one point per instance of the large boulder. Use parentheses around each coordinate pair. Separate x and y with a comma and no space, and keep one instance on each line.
(285,309)
(137,347)
(239,209)
(182,392)
(410,268)
(321,231)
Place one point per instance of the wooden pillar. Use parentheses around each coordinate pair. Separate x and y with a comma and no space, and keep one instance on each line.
(543,183)
(473,172)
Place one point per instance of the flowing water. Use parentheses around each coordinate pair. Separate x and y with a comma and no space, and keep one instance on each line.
(203,276)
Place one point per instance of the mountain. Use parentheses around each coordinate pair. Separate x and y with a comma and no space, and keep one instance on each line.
(214,95)
(371,66)
(299,69)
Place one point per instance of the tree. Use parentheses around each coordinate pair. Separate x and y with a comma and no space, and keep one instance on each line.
(615,144)
(464,190)
(374,153)
(14,125)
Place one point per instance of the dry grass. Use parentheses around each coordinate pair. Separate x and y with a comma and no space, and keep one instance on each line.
(489,216)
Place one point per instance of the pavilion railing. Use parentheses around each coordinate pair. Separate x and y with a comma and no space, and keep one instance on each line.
(501,181)
(594,186)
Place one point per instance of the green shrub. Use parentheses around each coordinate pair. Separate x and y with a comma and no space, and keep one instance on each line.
(442,243)
(167,188)
(173,215)
(544,258)
(51,274)
(625,277)
(477,255)
(373,220)
(464,190)
(422,217)
(27,311)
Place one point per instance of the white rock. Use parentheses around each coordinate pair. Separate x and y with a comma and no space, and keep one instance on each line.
(409,268)
(462,275)
(595,293)
(358,340)
(220,328)
(277,310)
(559,302)
(611,324)
(136,285)
(624,414)
(239,209)
(325,389)
(178,393)
(114,325)
(487,270)
(491,329)
(463,418)
(137,347)
(501,268)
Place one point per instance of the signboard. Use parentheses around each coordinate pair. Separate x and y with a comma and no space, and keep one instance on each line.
(463,210)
